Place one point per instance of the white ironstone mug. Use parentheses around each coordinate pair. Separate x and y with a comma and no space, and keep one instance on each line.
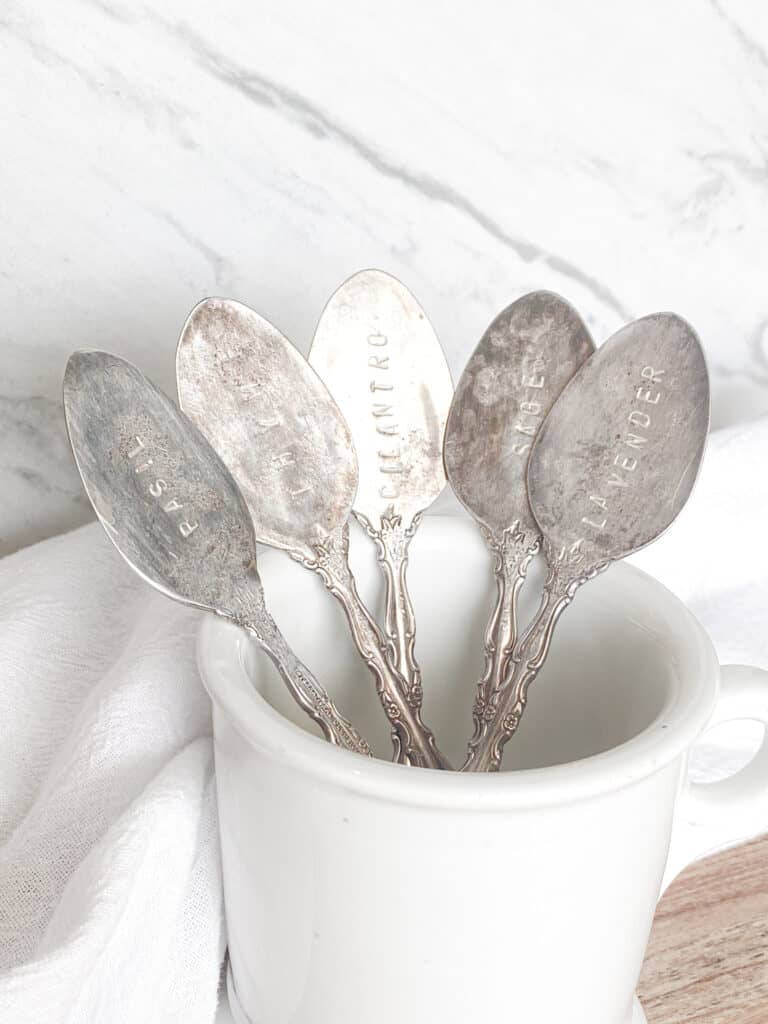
(362,892)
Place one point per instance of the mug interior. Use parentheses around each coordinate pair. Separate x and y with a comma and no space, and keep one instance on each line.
(623,661)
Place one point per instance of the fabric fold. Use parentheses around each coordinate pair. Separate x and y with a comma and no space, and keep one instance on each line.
(110,888)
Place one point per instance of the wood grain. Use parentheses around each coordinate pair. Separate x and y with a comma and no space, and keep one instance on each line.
(707,961)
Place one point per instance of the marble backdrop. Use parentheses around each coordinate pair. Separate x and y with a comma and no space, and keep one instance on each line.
(155,153)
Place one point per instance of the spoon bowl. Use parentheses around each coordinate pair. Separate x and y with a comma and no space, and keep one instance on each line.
(616,459)
(170,508)
(523,361)
(380,358)
(263,407)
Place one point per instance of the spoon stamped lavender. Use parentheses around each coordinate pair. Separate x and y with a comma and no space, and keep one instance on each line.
(610,470)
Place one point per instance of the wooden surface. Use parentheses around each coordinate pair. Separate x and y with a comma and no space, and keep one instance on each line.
(707,962)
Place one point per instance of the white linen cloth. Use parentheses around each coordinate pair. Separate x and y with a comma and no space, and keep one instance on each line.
(110,888)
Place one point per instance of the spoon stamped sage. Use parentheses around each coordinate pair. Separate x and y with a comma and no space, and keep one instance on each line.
(175,514)
(284,440)
(610,470)
(523,361)
(379,356)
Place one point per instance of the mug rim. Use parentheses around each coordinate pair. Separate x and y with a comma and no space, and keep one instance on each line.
(684,716)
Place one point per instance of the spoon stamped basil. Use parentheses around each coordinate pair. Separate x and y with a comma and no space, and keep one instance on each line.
(175,514)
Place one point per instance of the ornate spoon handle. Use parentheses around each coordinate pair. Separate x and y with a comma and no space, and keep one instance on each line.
(413,742)
(512,551)
(508,703)
(305,689)
(393,539)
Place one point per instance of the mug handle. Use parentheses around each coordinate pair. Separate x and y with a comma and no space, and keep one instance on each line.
(713,816)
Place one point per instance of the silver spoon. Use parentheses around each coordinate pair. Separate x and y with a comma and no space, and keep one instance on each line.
(523,361)
(175,514)
(381,360)
(282,437)
(610,470)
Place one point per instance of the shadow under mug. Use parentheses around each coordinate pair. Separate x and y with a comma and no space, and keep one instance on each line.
(362,892)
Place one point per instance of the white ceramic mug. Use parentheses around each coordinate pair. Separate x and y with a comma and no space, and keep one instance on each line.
(361,892)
